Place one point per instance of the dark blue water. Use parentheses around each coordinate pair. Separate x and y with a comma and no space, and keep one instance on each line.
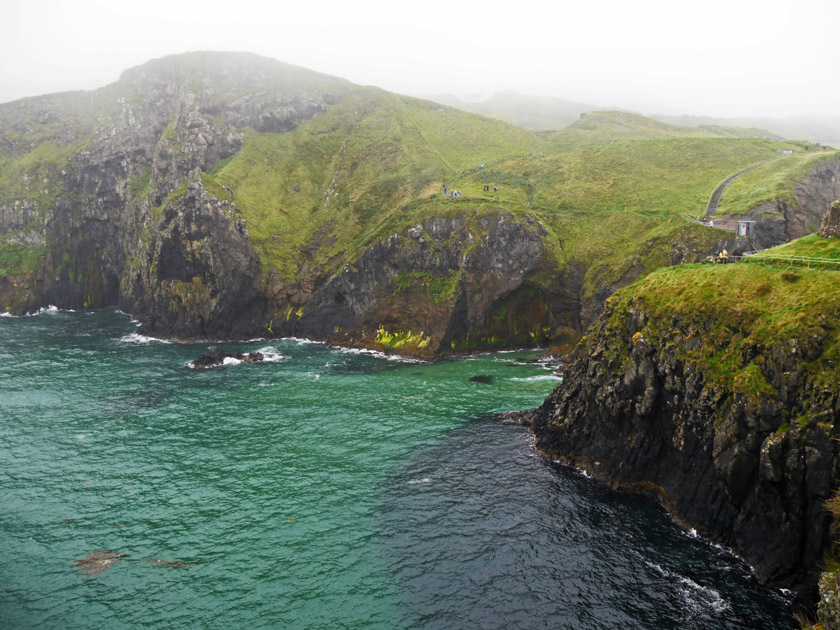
(324,489)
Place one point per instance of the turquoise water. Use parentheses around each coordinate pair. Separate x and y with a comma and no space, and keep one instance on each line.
(324,489)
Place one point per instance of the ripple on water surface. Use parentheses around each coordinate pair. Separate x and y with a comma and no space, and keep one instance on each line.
(322,489)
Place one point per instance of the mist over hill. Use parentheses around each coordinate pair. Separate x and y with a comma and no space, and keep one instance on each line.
(542,113)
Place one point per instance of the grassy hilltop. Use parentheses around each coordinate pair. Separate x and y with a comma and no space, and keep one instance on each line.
(612,188)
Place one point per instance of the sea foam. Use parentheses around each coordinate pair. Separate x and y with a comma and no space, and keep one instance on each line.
(138,339)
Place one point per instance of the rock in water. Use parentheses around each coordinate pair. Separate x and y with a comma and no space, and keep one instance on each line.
(482,378)
(213,357)
(172,564)
(98,561)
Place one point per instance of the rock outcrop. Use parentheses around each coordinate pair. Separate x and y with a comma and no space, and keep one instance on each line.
(197,274)
(214,357)
(735,433)
(830,226)
(441,280)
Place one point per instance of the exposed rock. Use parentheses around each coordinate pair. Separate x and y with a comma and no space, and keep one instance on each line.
(828,609)
(443,285)
(213,357)
(830,226)
(199,275)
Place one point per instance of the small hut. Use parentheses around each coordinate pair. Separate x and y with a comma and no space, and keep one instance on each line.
(746,228)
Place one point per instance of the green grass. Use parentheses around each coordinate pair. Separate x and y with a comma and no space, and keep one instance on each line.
(37,174)
(770,181)
(345,175)
(749,307)
(611,189)
(811,246)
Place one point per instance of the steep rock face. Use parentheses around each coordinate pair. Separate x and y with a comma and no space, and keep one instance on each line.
(830,226)
(198,276)
(440,280)
(640,410)
(107,164)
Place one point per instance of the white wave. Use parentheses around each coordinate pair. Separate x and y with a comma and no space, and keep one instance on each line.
(43,309)
(301,341)
(696,596)
(270,354)
(413,482)
(539,377)
(377,354)
(138,339)
(692,533)
(6,315)
(231,361)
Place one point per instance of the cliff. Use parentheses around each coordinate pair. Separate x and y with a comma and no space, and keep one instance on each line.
(714,389)
(227,195)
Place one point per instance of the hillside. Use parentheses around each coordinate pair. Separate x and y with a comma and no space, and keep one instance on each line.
(218,195)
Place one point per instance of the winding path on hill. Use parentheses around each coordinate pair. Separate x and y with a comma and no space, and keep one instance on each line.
(714,200)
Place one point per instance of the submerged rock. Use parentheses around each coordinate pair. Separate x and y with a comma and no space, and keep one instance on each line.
(213,357)
(98,561)
(172,564)
(482,378)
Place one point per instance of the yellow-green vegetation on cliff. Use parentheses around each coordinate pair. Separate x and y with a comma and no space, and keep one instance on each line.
(811,246)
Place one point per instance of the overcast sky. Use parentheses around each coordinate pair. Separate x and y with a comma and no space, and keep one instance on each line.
(717,57)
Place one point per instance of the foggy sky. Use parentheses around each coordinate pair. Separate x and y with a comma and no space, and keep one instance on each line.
(718,57)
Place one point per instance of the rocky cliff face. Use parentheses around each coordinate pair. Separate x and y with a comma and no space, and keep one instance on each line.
(115,211)
(441,281)
(128,196)
(197,274)
(830,226)
(737,437)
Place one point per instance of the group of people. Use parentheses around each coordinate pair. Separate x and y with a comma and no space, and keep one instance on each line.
(456,192)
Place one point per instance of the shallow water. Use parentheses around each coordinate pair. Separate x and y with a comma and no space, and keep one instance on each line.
(323,489)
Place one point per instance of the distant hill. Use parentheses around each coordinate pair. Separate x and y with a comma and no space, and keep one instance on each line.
(541,113)
(536,113)
(817,129)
